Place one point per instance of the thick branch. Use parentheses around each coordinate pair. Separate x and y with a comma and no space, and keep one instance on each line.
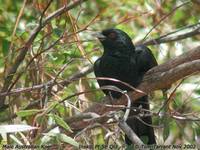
(172,71)
(193,54)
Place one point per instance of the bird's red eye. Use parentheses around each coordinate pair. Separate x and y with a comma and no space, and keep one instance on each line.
(112,35)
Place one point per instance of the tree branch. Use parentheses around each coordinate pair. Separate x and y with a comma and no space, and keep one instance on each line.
(130,133)
(51,83)
(190,31)
(159,77)
(25,48)
(164,17)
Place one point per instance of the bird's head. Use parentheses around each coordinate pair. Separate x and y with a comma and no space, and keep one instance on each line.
(115,41)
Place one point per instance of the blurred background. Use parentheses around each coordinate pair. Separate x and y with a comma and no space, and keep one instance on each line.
(65,47)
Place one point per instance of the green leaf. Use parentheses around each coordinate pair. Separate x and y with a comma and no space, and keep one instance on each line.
(5,47)
(4,30)
(166,128)
(60,122)
(57,32)
(51,107)
(145,139)
(67,139)
(22,33)
(102,3)
(25,113)
(63,138)
(15,139)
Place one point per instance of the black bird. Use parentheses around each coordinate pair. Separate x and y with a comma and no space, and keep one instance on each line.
(124,61)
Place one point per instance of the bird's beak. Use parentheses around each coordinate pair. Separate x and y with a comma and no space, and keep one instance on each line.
(99,35)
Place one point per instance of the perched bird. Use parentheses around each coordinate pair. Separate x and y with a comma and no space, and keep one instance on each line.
(128,63)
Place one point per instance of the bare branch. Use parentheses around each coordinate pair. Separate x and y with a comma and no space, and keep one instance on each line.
(25,48)
(130,133)
(179,34)
(164,17)
(157,78)
(44,11)
(191,55)
(65,82)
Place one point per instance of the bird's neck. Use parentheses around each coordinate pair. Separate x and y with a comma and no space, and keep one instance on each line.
(119,51)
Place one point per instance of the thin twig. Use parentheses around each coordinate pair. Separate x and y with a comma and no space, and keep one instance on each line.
(16,24)
(32,59)
(19,59)
(44,11)
(171,95)
(164,17)
(174,35)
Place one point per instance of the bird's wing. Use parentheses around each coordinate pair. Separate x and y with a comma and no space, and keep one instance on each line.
(145,59)
(98,72)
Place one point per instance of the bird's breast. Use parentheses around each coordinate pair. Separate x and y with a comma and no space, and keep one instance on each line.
(123,69)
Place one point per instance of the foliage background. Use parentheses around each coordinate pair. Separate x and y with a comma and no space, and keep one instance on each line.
(66,45)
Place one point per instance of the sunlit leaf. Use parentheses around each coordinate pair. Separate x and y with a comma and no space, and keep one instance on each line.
(60,122)
(15,128)
(30,112)
(63,138)
(67,139)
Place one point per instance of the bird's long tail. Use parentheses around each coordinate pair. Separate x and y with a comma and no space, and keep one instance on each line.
(142,126)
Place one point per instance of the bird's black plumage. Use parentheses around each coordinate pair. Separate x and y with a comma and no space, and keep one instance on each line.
(123,61)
